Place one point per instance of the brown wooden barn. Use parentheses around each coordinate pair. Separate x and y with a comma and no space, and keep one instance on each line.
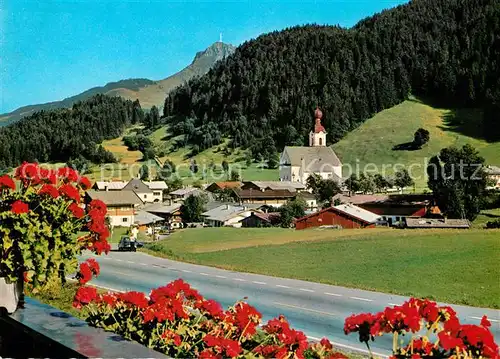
(344,216)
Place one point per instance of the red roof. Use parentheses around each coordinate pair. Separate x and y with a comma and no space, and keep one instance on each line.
(318,127)
(223,185)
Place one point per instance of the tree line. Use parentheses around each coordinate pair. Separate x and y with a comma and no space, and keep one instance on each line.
(446,51)
(68,135)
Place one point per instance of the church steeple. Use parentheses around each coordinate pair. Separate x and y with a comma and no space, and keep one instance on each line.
(318,136)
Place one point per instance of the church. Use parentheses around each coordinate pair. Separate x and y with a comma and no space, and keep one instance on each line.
(297,163)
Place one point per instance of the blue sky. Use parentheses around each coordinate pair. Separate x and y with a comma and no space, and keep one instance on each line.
(51,49)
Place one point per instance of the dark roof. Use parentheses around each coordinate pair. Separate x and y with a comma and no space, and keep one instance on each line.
(256,194)
(266,217)
(412,222)
(138,186)
(115,198)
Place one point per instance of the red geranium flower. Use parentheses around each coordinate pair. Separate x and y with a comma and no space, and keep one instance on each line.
(326,343)
(67,174)
(84,182)
(99,207)
(28,173)
(7,183)
(49,190)
(84,296)
(137,299)
(77,211)
(70,192)
(448,342)
(109,298)
(19,207)
(485,322)
(85,273)
(208,354)
(48,176)
(170,336)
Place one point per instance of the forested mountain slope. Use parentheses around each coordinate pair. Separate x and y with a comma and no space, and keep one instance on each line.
(264,94)
(62,134)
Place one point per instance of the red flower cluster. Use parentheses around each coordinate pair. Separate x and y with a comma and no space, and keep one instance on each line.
(76,210)
(288,340)
(84,296)
(453,338)
(69,191)
(220,346)
(84,183)
(87,269)
(136,299)
(245,317)
(19,207)
(97,242)
(33,174)
(7,183)
(171,337)
(67,174)
(49,190)
(177,320)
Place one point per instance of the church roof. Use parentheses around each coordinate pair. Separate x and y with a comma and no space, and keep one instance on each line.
(314,159)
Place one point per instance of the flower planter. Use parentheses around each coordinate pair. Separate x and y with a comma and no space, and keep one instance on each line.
(11,294)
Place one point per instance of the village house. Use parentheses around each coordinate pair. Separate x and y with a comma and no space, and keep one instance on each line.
(394,208)
(121,205)
(109,185)
(342,216)
(226,215)
(171,214)
(148,192)
(220,186)
(258,220)
(140,189)
(310,199)
(183,193)
(493,175)
(145,219)
(158,188)
(297,163)
(275,198)
(274,185)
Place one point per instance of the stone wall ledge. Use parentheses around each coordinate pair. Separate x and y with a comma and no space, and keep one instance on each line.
(39,330)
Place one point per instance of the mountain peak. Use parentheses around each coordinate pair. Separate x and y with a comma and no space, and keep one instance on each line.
(217,51)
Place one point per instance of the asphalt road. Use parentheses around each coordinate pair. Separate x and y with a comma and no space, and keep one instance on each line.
(317,309)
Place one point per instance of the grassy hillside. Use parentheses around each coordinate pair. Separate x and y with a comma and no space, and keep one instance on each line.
(421,263)
(131,161)
(373,141)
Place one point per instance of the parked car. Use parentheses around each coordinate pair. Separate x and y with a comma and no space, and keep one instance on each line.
(126,244)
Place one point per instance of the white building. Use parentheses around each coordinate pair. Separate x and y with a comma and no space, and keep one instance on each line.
(158,188)
(121,205)
(226,215)
(297,163)
(141,190)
